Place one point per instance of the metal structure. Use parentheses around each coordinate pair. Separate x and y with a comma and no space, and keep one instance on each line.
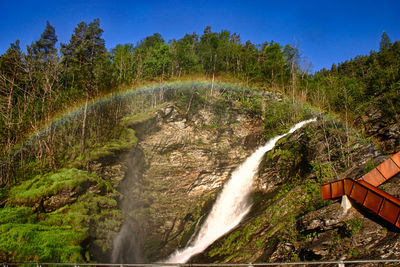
(384,171)
(366,193)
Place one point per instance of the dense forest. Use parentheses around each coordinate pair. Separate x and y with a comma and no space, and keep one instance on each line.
(44,81)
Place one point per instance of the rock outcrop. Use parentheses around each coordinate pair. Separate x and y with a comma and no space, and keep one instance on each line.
(386,132)
(186,160)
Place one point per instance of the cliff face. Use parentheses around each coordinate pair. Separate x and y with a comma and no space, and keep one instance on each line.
(185,161)
(375,123)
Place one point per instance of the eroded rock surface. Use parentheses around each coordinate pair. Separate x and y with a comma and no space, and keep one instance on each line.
(186,161)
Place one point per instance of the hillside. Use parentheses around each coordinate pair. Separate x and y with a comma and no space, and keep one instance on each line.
(166,175)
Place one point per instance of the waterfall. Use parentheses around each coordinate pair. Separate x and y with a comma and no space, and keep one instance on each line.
(231,205)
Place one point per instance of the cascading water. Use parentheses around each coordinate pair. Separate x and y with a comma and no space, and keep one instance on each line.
(231,205)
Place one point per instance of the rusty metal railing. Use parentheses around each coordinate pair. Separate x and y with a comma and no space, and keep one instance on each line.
(365,192)
(376,200)
(383,171)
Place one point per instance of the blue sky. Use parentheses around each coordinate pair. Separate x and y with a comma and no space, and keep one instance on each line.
(326,32)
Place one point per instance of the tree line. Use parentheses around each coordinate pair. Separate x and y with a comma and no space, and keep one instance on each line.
(358,84)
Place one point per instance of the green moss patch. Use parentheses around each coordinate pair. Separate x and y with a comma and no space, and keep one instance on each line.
(61,235)
(43,186)
(25,237)
(130,120)
(126,139)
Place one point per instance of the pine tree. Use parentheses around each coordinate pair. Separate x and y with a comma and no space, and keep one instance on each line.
(84,57)
(385,42)
(45,46)
(83,54)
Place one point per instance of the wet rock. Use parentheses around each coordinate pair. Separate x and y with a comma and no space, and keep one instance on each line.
(386,132)
(60,200)
(324,219)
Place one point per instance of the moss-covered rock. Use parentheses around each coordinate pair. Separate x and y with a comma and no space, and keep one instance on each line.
(53,217)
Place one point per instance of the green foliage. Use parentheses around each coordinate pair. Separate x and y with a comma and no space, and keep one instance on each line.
(279,116)
(184,57)
(130,120)
(127,139)
(45,46)
(274,67)
(355,225)
(385,42)
(35,242)
(17,215)
(190,101)
(24,237)
(369,166)
(322,172)
(353,252)
(253,105)
(3,193)
(59,236)
(44,186)
(123,63)
(85,57)
(358,85)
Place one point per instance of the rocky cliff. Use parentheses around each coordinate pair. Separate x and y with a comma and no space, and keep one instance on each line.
(183,158)
(186,160)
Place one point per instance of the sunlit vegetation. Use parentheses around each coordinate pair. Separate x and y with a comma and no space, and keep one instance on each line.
(35,228)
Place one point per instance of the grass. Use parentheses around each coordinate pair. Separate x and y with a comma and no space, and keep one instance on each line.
(43,186)
(23,237)
(127,139)
(279,116)
(130,120)
(355,225)
(61,235)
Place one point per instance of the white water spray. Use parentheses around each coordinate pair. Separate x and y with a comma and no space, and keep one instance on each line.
(231,205)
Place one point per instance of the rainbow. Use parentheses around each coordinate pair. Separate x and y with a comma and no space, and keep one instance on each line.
(77,111)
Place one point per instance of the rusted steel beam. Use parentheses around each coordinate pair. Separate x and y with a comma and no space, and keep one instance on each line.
(326,191)
(374,177)
(365,191)
(337,189)
(348,185)
(384,171)
(396,158)
(367,195)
